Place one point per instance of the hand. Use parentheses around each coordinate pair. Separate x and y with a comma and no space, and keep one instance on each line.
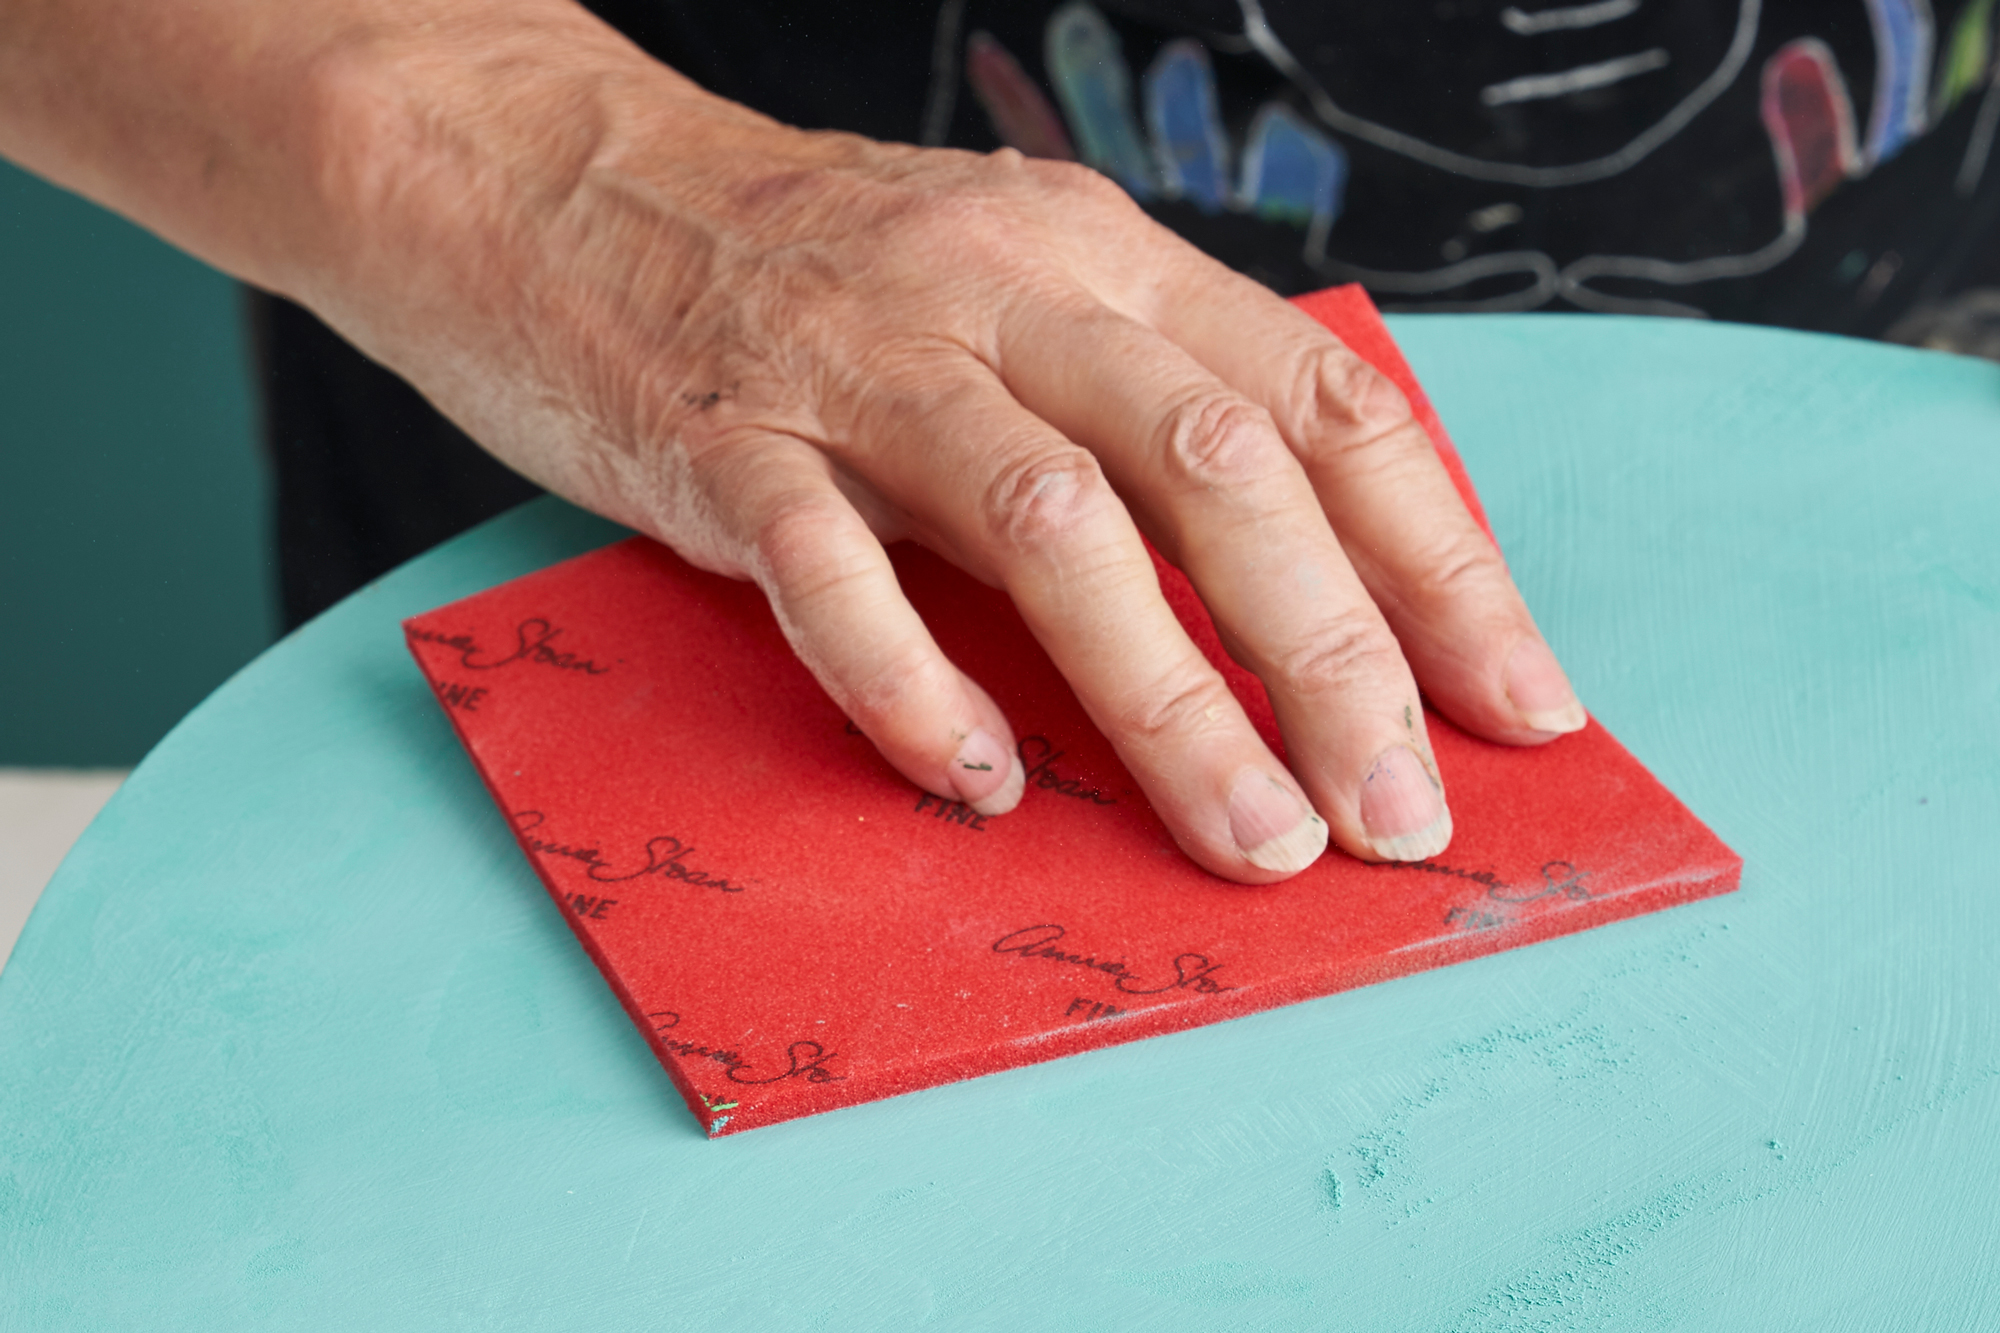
(776,351)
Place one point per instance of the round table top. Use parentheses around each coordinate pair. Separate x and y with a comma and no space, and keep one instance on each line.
(296,1040)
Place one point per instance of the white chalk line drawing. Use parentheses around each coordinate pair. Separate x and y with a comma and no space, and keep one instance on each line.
(1980,147)
(1672,274)
(1547,281)
(1566,19)
(1534,263)
(942,100)
(1258,33)
(1571,281)
(1541,87)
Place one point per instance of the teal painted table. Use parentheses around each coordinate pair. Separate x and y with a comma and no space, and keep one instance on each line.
(295,1040)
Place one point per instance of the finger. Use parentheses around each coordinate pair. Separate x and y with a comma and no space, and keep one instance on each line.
(1031,512)
(1429,566)
(836,597)
(1208,474)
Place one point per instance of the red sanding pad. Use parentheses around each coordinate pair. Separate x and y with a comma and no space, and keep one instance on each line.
(795,928)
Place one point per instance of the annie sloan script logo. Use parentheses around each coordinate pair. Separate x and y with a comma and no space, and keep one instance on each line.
(534,641)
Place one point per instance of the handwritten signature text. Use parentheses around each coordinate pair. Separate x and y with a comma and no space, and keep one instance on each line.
(803,1059)
(534,642)
(1191,971)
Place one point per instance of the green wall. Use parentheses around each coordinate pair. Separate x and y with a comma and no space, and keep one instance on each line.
(134,570)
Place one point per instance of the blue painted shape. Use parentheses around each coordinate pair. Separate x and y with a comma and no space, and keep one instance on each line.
(1904,37)
(1186,128)
(1292,172)
(1087,66)
(296,1041)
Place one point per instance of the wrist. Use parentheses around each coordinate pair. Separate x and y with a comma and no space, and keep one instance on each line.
(418,139)
(460,174)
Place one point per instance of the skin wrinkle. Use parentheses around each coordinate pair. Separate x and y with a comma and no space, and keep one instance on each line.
(871,404)
(1218,441)
(1086,584)
(1033,320)
(1449,574)
(1331,392)
(1410,612)
(1040,503)
(825,308)
(1172,702)
(443,202)
(1371,462)
(879,436)
(1345,653)
(1450,577)
(594,370)
(877,697)
(1085,591)
(870,699)
(791,545)
(919,395)
(631,374)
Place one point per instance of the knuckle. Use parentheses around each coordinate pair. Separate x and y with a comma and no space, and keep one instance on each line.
(1463,567)
(1354,406)
(806,548)
(924,223)
(1075,179)
(1349,648)
(1047,497)
(1075,197)
(799,529)
(1189,700)
(1219,440)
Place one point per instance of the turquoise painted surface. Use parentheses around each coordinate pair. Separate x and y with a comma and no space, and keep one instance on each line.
(296,1041)
(134,574)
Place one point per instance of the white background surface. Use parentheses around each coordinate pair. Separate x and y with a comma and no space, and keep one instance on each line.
(42,810)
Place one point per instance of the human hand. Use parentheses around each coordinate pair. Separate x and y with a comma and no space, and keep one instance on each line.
(776,351)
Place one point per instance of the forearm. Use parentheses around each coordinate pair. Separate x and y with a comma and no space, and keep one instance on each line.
(500,199)
(307,147)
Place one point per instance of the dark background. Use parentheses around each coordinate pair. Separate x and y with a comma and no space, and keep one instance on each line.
(134,575)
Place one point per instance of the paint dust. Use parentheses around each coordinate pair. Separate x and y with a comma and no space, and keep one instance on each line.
(1332,1193)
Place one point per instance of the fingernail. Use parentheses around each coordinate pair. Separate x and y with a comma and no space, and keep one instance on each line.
(1539,690)
(1402,810)
(987,775)
(1273,829)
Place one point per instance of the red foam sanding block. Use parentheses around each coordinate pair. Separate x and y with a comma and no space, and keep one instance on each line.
(794,928)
